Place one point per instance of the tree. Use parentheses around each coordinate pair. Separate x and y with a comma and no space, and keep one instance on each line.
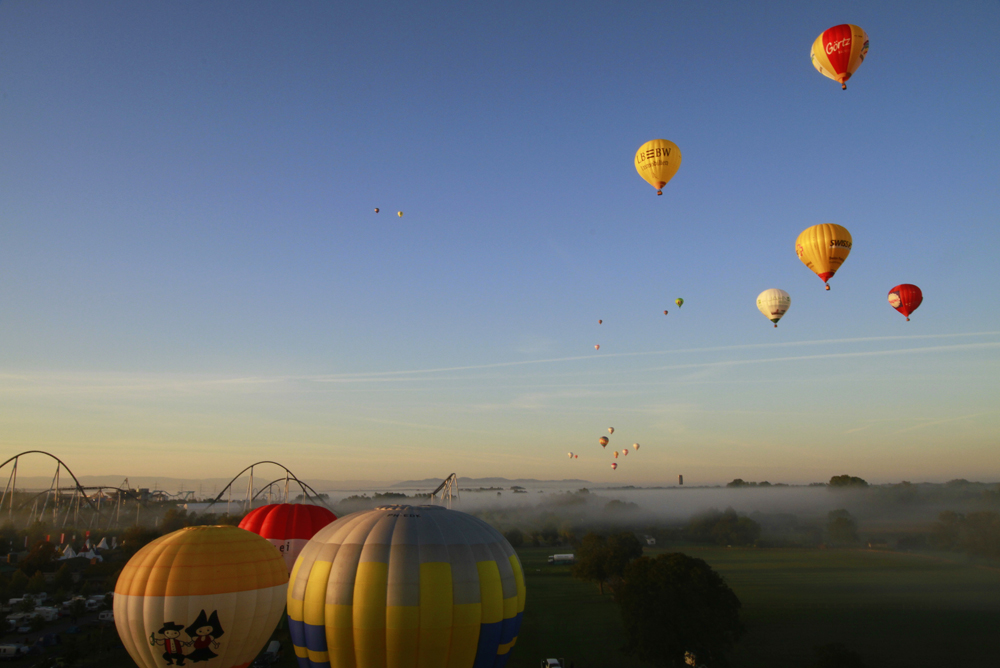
(63,578)
(726,528)
(77,608)
(675,605)
(174,519)
(36,584)
(136,537)
(847,481)
(514,537)
(836,655)
(43,554)
(18,582)
(599,559)
(841,526)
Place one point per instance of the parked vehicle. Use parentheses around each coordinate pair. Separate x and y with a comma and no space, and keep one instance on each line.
(48,614)
(12,651)
(107,616)
(562,559)
(553,663)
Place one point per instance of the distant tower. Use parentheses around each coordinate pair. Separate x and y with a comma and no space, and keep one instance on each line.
(680,480)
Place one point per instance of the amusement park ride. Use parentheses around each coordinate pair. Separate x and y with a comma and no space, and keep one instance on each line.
(67,503)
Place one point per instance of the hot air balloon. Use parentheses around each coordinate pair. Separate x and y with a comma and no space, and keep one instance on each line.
(905,298)
(611,430)
(773,303)
(625,452)
(376,209)
(603,440)
(597,347)
(287,526)
(406,586)
(823,248)
(571,455)
(635,445)
(600,322)
(614,465)
(616,454)
(839,51)
(218,590)
(657,162)
(664,313)
(576,456)
(399,213)
(679,302)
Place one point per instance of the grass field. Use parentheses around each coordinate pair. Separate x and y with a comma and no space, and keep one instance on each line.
(897,610)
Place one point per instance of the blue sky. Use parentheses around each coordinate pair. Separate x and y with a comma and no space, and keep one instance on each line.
(193,278)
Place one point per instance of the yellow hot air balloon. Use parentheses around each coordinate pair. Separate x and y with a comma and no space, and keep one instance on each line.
(399,213)
(657,161)
(200,593)
(839,51)
(611,430)
(406,586)
(823,248)
(616,454)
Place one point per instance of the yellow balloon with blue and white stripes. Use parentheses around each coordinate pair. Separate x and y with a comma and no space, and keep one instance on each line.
(406,586)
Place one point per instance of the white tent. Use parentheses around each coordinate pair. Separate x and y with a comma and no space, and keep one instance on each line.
(103,545)
(68,553)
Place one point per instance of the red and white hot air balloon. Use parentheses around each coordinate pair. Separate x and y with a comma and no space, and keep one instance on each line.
(905,298)
(614,465)
(287,526)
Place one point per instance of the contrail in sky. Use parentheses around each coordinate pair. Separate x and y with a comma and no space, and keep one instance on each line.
(471,367)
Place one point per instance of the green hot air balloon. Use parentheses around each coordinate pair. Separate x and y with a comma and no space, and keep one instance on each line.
(679,302)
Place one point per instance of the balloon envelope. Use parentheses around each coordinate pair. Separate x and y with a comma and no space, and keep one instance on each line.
(399,213)
(603,440)
(657,161)
(773,304)
(406,586)
(287,526)
(201,593)
(616,454)
(597,347)
(823,248)
(839,51)
(614,465)
(376,210)
(635,445)
(679,302)
(905,298)
(611,430)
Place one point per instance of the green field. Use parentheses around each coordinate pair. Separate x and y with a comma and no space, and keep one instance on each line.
(894,609)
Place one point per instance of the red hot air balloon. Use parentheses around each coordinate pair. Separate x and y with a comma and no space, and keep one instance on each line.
(287,526)
(905,298)
(599,322)
(614,465)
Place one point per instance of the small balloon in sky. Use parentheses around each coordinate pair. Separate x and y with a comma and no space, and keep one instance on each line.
(616,454)
(679,301)
(399,213)
(614,465)
(839,51)
(376,209)
(603,440)
(611,430)
(905,298)
(664,313)
(597,347)
(823,248)
(657,161)
(635,445)
(600,322)
(773,304)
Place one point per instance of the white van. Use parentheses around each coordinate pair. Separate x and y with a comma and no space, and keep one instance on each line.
(107,616)
(48,614)
(12,651)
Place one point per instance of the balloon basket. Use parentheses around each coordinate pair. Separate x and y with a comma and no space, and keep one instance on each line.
(827,287)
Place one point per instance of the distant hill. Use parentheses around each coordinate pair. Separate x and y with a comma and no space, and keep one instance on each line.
(480,482)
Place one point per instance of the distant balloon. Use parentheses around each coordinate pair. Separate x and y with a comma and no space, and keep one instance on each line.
(905,298)
(603,440)
(599,322)
(635,445)
(399,213)
(773,304)
(625,452)
(679,302)
(614,465)
(839,51)
(657,161)
(597,347)
(611,430)
(287,526)
(576,456)
(664,313)
(616,454)
(823,248)
(376,209)
(571,455)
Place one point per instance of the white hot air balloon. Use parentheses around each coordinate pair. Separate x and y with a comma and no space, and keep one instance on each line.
(773,304)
